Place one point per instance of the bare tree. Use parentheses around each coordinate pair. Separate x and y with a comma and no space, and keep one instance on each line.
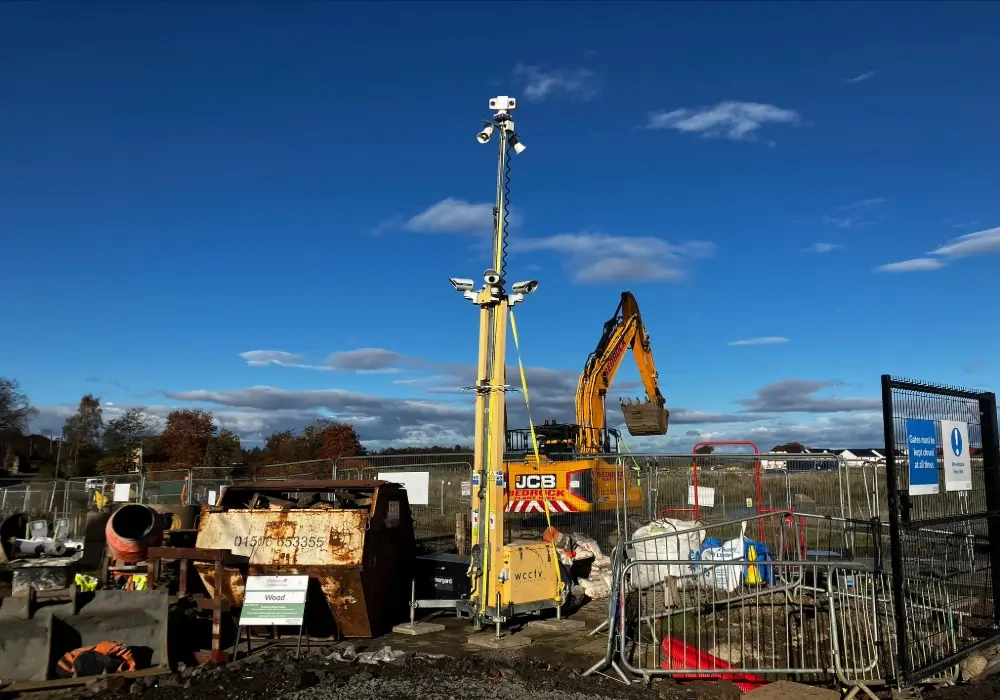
(83,429)
(15,409)
(16,413)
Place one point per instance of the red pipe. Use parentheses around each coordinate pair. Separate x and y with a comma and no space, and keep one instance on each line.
(712,668)
(132,530)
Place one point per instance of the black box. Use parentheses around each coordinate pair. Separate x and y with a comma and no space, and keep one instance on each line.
(442,577)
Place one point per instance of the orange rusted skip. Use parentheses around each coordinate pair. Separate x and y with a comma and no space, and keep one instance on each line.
(132,530)
(357,549)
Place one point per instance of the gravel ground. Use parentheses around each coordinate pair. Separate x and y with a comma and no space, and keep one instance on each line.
(988,689)
(277,675)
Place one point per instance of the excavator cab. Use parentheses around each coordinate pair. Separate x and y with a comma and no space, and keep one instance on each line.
(558,441)
(645,417)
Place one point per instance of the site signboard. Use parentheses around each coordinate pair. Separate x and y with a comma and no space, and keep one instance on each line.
(274,600)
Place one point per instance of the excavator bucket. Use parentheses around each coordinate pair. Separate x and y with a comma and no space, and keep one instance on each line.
(645,418)
(35,634)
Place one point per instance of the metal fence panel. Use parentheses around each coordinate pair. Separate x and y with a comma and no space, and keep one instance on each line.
(942,537)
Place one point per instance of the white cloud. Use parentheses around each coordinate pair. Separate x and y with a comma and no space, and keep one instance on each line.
(822,248)
(914,265)
(799,396)
(599,258)
(856,214)
(862,77)
(766,340)
(458,216)
(541,82)
(737,121)
(977,243)
(263,358)
(368,361)
(360,361)
(453,216)
(439,414)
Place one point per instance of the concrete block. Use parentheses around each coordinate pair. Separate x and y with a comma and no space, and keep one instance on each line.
(557,625)
(490,641)
(416,629)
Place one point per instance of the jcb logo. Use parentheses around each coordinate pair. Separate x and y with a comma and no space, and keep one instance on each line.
(535,481)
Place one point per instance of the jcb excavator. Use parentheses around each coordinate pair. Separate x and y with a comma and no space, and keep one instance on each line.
(574,472)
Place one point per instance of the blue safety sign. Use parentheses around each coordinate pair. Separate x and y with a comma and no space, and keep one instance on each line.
(922,451)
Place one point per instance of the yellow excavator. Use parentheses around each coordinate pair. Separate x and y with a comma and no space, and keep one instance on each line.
(576,471)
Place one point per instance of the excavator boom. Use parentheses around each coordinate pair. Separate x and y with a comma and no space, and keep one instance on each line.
(623,331)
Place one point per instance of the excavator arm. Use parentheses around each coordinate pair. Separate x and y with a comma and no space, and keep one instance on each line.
(623,331)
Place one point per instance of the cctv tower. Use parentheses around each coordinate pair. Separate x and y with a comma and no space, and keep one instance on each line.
(488,479)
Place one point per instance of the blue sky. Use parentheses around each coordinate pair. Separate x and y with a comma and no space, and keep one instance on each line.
(254,208)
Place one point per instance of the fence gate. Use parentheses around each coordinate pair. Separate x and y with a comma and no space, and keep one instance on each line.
(943,472)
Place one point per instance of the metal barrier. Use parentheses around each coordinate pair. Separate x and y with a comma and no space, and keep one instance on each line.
(449,492)
(27,497)
(713,487)
(712,601)
(305,469)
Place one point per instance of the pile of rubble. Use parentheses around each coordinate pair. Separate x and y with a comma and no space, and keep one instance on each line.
(582,555)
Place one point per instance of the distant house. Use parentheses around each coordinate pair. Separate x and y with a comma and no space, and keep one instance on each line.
(859,454)
(853,454)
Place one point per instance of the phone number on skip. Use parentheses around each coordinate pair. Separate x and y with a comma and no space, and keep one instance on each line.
(296,542)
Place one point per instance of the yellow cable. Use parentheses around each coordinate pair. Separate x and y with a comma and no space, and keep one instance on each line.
(534,445)
(638,469)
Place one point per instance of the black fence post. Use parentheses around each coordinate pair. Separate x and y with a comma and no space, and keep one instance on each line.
(895,539)
(991,482)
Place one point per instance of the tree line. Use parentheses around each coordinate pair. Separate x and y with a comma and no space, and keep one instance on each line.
(186,439)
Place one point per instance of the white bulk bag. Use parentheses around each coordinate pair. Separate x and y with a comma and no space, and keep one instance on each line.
(724,577)
(668,547)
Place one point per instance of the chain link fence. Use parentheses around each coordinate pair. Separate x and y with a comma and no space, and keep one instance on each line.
(711,488)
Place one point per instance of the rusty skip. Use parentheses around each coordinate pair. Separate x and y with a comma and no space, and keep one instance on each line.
(354,539)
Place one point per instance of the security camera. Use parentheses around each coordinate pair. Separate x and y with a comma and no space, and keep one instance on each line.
(526,287)
(503,103)
(516,144)
(484,135)
(462,285)
(491,277)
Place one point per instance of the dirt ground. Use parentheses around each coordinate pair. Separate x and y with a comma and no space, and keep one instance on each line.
(441,665)
(276,673)
(436,666)
(983,690)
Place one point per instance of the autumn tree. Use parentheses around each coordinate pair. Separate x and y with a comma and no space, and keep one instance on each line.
(329,439)
(281,446)
(187,436)
(124,438)
(83,433)
(320,440)
(792,448)
(224,451)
